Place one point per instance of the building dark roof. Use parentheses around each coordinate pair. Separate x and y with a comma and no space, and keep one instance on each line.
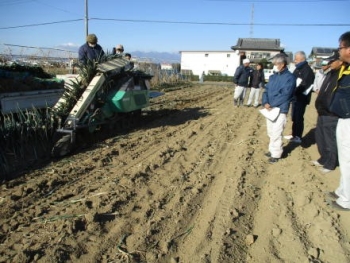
(323,51)
(186,72)
(268,44)
(288,54)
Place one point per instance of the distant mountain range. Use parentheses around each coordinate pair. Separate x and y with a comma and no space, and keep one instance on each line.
(153,57)
(157,57)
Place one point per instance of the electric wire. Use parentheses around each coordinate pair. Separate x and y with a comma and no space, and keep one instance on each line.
(184,22)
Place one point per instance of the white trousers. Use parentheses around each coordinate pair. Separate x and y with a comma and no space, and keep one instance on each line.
(239,93)
(343,144)
(254,95)
(275,132)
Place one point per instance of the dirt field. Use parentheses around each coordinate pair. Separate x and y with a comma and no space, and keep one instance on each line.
(190,185)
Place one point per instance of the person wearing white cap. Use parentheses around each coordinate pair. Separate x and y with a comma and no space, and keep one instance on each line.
(119,49)
(241,78)
(320,76)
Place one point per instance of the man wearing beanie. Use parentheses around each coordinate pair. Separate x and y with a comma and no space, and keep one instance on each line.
(90,51)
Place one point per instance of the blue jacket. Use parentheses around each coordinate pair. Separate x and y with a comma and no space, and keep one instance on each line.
(242,76)
(90,53)
(279,90)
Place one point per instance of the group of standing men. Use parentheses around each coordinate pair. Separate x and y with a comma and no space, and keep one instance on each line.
(244,77)
(332,85)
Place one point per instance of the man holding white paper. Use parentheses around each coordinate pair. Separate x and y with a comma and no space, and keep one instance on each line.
(305,79)
(278,94)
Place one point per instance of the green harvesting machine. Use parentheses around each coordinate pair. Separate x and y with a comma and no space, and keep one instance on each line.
(112,100)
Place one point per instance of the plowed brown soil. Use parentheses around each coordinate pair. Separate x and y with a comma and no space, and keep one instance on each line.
(190,185)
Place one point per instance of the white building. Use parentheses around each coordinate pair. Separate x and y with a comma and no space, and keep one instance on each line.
(210,62)
(166,66)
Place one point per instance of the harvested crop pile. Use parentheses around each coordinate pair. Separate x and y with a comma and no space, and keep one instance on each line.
(17,78)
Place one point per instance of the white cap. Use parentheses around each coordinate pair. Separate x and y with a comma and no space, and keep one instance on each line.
(120,47)
(246,61)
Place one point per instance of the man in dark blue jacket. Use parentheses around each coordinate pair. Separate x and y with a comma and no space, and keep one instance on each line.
(241,79)
(278,94)
(90,51)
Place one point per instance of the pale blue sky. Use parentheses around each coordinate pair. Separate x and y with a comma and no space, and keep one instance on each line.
(173,26)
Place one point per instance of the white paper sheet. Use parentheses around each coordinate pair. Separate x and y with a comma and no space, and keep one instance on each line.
(307,91)
(299,80)
(270,114)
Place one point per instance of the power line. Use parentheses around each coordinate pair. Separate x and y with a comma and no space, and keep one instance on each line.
(57,49)
(11,2)
(42,24)
(63,10)
(182,22)
(210,23)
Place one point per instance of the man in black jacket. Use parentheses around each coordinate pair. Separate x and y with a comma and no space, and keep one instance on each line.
(340,105)
(257,83)
(305,78)
(327,121)
(241,78)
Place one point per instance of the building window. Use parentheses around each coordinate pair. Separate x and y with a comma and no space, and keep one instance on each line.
(228,55)
(206,55)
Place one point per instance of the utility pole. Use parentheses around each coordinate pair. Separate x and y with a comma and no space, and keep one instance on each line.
(252,22)
(86,19)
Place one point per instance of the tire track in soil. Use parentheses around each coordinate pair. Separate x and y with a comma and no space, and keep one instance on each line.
(149,157)
(216,221)
(294,212)
(79,185)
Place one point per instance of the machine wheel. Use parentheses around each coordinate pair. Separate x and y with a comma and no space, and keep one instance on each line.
(126,122)
(113,125)
(62,147)
(135,117)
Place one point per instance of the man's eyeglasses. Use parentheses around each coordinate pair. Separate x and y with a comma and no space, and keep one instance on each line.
(340,48)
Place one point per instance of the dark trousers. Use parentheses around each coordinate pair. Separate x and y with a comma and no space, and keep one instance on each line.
(298,110)
(325,136)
